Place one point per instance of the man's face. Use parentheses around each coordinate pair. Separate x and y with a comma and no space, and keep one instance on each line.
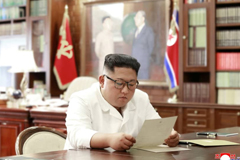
(139,19)
(107,24)
(117,97)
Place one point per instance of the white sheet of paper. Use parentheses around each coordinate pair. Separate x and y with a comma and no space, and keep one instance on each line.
(154,132)
(164,148)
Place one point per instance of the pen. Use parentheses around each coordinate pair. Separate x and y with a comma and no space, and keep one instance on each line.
(206,134)
(183,142)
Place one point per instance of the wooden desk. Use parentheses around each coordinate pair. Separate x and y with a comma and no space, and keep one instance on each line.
(196,152)
(12,122)
(49,117)
(196,117)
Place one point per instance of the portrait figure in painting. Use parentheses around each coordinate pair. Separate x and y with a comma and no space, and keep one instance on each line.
(143,44)
(104,42)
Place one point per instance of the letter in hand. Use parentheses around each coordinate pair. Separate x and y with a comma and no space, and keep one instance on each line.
(173,139)
(121,141)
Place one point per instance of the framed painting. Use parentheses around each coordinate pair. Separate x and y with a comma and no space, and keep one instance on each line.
(137,28)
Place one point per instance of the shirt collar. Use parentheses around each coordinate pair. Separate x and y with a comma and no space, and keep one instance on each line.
(141,27)
(105,106)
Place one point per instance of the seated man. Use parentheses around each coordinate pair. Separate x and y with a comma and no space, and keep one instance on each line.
(111,113)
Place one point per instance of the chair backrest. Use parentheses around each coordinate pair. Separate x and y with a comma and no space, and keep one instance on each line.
(39,139)
(79,83)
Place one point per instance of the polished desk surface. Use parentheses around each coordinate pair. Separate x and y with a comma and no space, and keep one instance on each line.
(196,152)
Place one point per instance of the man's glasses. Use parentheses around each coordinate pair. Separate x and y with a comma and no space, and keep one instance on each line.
(119,83)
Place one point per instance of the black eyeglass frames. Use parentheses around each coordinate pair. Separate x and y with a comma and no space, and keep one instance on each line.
(119,83)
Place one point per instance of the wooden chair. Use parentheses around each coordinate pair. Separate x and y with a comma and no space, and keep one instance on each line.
(39,139)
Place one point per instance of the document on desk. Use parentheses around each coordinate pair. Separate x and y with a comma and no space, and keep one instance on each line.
(209,142)
(163,148)
(153,133)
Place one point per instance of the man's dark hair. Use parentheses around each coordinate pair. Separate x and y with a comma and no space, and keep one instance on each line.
(121,60)
(105,17)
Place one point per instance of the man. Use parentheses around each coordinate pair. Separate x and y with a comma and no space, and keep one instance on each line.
(143,44)
(111,112)
(104,42)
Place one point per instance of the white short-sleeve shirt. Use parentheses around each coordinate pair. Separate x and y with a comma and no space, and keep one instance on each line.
(89,113)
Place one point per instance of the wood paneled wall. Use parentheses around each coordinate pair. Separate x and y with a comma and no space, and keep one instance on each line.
(74,11)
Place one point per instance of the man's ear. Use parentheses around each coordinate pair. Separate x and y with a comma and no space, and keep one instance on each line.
(101,80)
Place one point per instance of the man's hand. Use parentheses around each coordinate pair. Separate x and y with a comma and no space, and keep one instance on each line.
(173,139)
(121,141)
(117,141)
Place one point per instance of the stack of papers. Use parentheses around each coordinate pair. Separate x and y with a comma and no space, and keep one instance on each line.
(56,102)
(49,103)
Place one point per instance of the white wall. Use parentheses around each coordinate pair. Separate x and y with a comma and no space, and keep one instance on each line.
(8,46)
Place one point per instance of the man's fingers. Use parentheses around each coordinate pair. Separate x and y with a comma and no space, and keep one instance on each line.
(173,134)
(125,147)
(128,142)
(166,140)
(130,138)
(173,139)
